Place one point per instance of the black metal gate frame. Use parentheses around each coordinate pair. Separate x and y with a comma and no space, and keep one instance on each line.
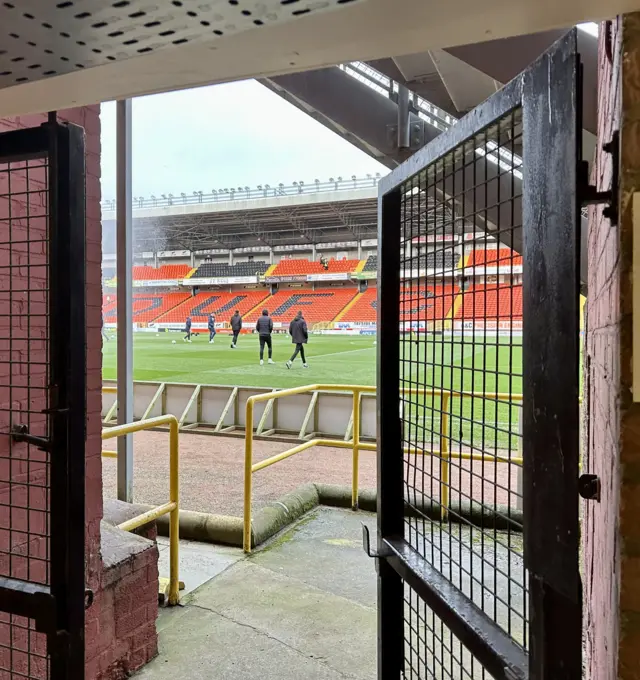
(548,93)
(58,609)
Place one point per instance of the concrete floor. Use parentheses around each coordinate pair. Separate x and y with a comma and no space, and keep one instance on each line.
(301,608)
(304,606)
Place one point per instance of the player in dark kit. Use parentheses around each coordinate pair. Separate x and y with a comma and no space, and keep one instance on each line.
(236,327)
(264,326)
(187,329)
(211,325)
(299,336)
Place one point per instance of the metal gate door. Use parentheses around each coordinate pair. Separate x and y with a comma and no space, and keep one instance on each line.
(42,402)
(478,355)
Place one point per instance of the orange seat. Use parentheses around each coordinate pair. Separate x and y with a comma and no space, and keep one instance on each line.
(167,272)
(323,304)
(491,302)
(365,309)
(222,304)
(147,307)
(292,267)
(426,303)
(502,257)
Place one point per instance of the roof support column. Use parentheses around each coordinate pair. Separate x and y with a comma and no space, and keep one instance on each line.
(404,130)
(124,264)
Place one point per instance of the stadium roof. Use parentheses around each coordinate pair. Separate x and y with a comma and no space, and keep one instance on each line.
(322,212)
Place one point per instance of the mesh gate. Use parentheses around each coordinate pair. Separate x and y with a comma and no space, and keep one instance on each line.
(42,401)
(478,314)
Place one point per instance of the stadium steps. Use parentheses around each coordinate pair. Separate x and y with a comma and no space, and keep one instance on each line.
(270,271)
(260,304)
(191,273)
(457,303)
(360,266)
(349,304)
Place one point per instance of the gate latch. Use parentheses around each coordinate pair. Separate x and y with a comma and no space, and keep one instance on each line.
(20,433)
(366,544)
(589,195)
(589,487)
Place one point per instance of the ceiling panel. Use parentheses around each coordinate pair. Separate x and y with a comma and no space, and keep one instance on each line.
(44,39)
(295,35)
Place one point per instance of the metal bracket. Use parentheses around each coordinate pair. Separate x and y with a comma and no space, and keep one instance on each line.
(589,195)
(366,544)
(589,487)
(20,433)
(417,135)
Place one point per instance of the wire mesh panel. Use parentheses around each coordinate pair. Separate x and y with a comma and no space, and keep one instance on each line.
(461,371)
(42,398)
(478,351)
(25,551)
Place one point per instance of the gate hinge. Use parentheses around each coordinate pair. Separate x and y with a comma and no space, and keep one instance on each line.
(366,544)
(589,487)
(589,195)
(20,433)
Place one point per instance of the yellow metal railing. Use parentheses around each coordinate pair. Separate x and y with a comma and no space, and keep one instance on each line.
(172,508)
(356,445)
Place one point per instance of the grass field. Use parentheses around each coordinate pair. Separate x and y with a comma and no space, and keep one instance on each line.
(331,359)
(450,364)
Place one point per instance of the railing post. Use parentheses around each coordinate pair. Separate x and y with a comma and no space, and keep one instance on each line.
(356,449)
(174,516)
(519,468)
(248,464)
(444,456)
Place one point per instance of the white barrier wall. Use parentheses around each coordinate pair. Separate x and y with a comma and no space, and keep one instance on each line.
(222,408)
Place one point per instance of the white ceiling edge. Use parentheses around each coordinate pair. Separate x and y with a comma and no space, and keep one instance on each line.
(368,30)
(467,86)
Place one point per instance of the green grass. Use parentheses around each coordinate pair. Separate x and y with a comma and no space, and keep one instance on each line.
(440,362)
(332,359)
(463,365)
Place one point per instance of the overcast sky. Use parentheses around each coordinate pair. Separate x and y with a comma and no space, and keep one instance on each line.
(222,136)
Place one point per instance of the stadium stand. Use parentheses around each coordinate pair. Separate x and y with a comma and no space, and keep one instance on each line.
(211,270)
(490,302)
(503,257)
(365,308)
(439,260)
(371,265)
(222,305)
(316,305)
(291,267)
(108,304)
(167,272)
(147,307)
(432,303)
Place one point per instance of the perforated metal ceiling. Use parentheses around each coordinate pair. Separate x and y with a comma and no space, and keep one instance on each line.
(45,38)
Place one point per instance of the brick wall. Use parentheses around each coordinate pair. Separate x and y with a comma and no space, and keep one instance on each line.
(611,529)
(121,631)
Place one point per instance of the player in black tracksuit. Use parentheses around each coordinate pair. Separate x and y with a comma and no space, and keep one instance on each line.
(264,326)
(187,329)
(236,327)
(299,336)
(211,325)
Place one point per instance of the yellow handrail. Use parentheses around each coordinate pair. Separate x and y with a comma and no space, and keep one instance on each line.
(172,508)
(356,445)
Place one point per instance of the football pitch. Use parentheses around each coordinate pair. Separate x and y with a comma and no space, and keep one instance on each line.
(451,364)
(331,359)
